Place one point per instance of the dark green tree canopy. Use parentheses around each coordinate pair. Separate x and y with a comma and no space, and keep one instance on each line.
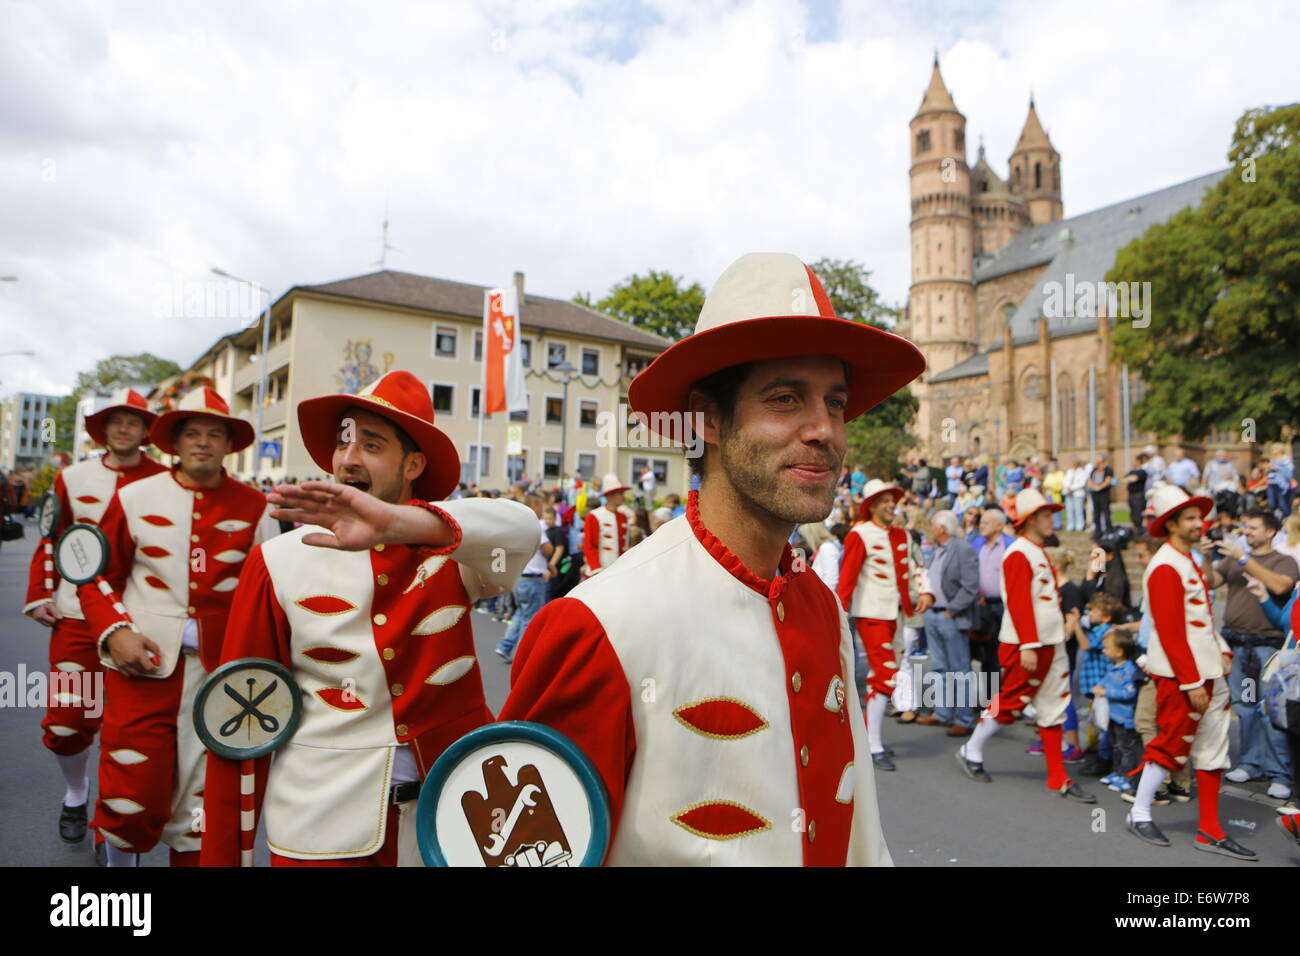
(658,302)
(109,373)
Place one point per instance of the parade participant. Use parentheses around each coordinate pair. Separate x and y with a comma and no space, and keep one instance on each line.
(176,543)
(604,530)
(1031,649)
(372,621)
(1187,661)
(706,673)
(84,491)
(876,577)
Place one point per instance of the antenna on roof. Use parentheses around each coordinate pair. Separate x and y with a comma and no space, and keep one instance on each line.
(384,247)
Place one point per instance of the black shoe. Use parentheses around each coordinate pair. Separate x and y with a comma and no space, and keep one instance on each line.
(882,761)
(1148,832)
(101,853)
(1161,799)
(1076,792)
(1177,793)
(72,824)
(1226,847)
(972,769)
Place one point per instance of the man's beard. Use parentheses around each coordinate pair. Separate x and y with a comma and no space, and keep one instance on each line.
(755,478)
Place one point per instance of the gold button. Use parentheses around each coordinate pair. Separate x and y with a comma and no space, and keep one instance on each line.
(401,730)
(194,585)
(389,653)
(197,516)
(194,537)
(381,619)
(198,495)
(379,547)
(803,755)
(397,690)
(796,682)
(812,831)
(191,609)
(382,579)
(780,611)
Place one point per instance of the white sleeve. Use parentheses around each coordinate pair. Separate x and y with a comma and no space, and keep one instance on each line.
(495,538)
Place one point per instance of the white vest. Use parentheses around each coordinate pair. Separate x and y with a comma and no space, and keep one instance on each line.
(1206,645)
(876,594)
(607,542)
(1042,592)
(90,487)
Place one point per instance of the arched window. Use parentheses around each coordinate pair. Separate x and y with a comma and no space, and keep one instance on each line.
(923,141)
(1066,418)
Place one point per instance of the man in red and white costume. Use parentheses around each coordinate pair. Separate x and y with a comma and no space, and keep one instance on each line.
(604,530)
(707,672)
(84,491)
(372,621)
(1031,650)
(1188,661)
(876,578)
(176,544)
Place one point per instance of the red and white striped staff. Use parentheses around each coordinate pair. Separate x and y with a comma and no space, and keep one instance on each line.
(247,813)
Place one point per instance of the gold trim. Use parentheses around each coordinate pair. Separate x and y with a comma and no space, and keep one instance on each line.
(677,715)
(767,824)
(379,401)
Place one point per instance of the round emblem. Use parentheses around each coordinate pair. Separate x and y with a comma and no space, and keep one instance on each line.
(513,794)
(81,554)
(48,519)
(247,708)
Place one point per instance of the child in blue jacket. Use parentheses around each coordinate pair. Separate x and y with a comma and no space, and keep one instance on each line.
(1118,689)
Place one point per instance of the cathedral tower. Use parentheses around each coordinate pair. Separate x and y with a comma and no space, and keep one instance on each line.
(1036,171)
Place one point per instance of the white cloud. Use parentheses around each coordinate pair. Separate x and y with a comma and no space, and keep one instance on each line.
(145,142)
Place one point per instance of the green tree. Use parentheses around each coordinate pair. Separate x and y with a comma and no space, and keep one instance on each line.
(658,302)
(109,373)
(1223,344)
(877,439)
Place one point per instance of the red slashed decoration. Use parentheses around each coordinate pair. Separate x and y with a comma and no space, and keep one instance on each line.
(88,499)
(158,520)
(329,655)
(154,582)
(153,551)
(720,820)
(325,604)
(724,718)
(341,699)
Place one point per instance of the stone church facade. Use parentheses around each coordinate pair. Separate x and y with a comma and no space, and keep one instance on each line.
(1002,300)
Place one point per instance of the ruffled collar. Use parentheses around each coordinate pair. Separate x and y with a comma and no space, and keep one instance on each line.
(770,590)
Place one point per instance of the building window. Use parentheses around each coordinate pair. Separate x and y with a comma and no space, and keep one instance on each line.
(478,346)
(550,465)
(587,413)
(517,466)
(442,397)
(1038,175)
(474,404)
(586,466)
(528,353)
(923,141)
(444,342)
(590,361)
(554,410)
(959,140)
(471,470)
(557,353)
(522,416)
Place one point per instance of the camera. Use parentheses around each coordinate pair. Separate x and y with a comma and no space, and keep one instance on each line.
(1114,541)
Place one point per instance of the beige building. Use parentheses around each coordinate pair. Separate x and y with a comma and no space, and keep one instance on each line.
(1018,356)
(26,430)
(341,336)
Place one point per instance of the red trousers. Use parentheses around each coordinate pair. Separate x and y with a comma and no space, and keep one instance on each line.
(878,642)
(1047,686)
(385,856)
(1183,733)
(69,728)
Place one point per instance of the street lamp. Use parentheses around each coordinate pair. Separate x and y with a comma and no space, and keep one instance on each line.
(261,380)
(566,369)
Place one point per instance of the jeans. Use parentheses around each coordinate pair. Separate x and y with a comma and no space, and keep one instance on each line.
(1279,501)
(950,654)
(1263,746)
(530,594)
(1074,511)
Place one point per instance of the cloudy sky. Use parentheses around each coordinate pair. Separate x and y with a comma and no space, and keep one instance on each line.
(143,142)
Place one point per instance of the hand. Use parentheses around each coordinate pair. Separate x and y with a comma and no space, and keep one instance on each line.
(926,602)
(46,614)
(1200,698)
(1227,663)
(548,573)
(1231,549)
(947,613)
(1256,587)
(132,652)
(1029,660)
(1099,691)
(358,520)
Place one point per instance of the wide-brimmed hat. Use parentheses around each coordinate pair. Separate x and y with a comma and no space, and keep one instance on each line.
(401,398)
(1029,502)
(612,483)
(769,306)
(206,402)
(124,399)
(1167,501)
(874,489)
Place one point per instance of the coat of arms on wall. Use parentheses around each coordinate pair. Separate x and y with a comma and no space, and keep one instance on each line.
(357,371)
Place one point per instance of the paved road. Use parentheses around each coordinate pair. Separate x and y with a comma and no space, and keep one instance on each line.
(932,815)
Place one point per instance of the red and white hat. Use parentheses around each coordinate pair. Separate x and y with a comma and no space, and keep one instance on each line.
(874,489)
(401,398)
(124,399)
(770,305)
(1167,501)
(612,483)
(203,401)
(1028,503)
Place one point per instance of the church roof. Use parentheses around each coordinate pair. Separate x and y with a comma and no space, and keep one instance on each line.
(975,365)
(936,97)
(1033,136)
(1084,248)
(997,186)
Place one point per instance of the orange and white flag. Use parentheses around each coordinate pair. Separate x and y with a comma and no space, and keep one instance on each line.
(504,371)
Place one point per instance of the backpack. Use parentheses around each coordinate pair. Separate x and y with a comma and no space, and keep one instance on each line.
(1281,690)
